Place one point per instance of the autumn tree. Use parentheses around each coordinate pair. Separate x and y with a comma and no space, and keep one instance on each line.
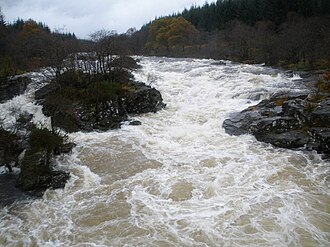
(170,32)
(181,33)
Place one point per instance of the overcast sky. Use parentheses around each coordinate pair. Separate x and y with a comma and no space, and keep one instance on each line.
(86,16)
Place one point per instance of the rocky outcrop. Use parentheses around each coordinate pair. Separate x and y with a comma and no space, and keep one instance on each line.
(143,100)
(103,115)
(26,160)
(288,121)
(13,86)
(37,174)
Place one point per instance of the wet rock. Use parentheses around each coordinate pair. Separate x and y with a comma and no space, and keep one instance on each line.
(9,193)
(287,121)
(125,62)
(12,87)
(43,92)
(321,114)
(37,174)
(287,139)
(219,63)
(240,123)
(103,116)
(144,99)
(67,147)
(75,115)
(276,124)
(135,123)
(296,108)
(322,136)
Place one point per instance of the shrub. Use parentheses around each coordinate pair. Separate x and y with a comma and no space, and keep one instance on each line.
(323,85)
(9,147)
(44,139)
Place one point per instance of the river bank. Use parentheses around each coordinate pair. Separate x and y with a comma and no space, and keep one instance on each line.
(290,120)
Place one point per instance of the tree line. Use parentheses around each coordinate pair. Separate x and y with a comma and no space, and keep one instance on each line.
(27,45)
(291,33)
(214,16)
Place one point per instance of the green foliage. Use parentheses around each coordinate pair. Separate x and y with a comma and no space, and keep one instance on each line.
(44,139)
(9,147)
(7,67)
(125,62)
(214,15)
(79,87)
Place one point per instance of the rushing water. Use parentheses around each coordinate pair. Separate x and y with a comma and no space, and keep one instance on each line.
(179,179)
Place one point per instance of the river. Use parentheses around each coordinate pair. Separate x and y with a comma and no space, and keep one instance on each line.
(179,179)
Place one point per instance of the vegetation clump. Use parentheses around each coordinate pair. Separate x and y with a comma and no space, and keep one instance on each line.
(44,139)
(37,168)
(9,148)
(323,85)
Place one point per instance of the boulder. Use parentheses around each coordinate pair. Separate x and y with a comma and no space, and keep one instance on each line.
(135,123)
(102,116)
(287,121)
(322,136)
(37,174)
(288,139)
(43,92)
(239,123)
(321,114)
(144,99)
(13,86)
(66,148)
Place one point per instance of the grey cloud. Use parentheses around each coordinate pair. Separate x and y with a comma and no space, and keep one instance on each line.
(86,16)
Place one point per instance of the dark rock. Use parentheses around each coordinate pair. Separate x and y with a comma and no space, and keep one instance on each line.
(143,100)
(103,116)
(277,124)
(67,147)
(240,123)
(12,87)
(87,114)
(218,63)
(321,115)
(9,193)
(322,136)
(125,62)
(287,121)
(74,117)
(288,139)
(43,92)
(135,123)
(37,174)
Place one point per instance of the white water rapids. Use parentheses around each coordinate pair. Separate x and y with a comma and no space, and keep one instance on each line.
(179,179)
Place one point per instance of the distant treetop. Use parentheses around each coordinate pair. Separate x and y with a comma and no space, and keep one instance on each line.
(213,16)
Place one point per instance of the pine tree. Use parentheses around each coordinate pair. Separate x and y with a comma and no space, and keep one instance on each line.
(2,19)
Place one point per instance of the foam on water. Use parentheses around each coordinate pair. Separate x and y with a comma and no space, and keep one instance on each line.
(179,179)
(24,104)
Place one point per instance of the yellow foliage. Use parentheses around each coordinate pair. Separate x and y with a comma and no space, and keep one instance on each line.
(30,28)
(168,32)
